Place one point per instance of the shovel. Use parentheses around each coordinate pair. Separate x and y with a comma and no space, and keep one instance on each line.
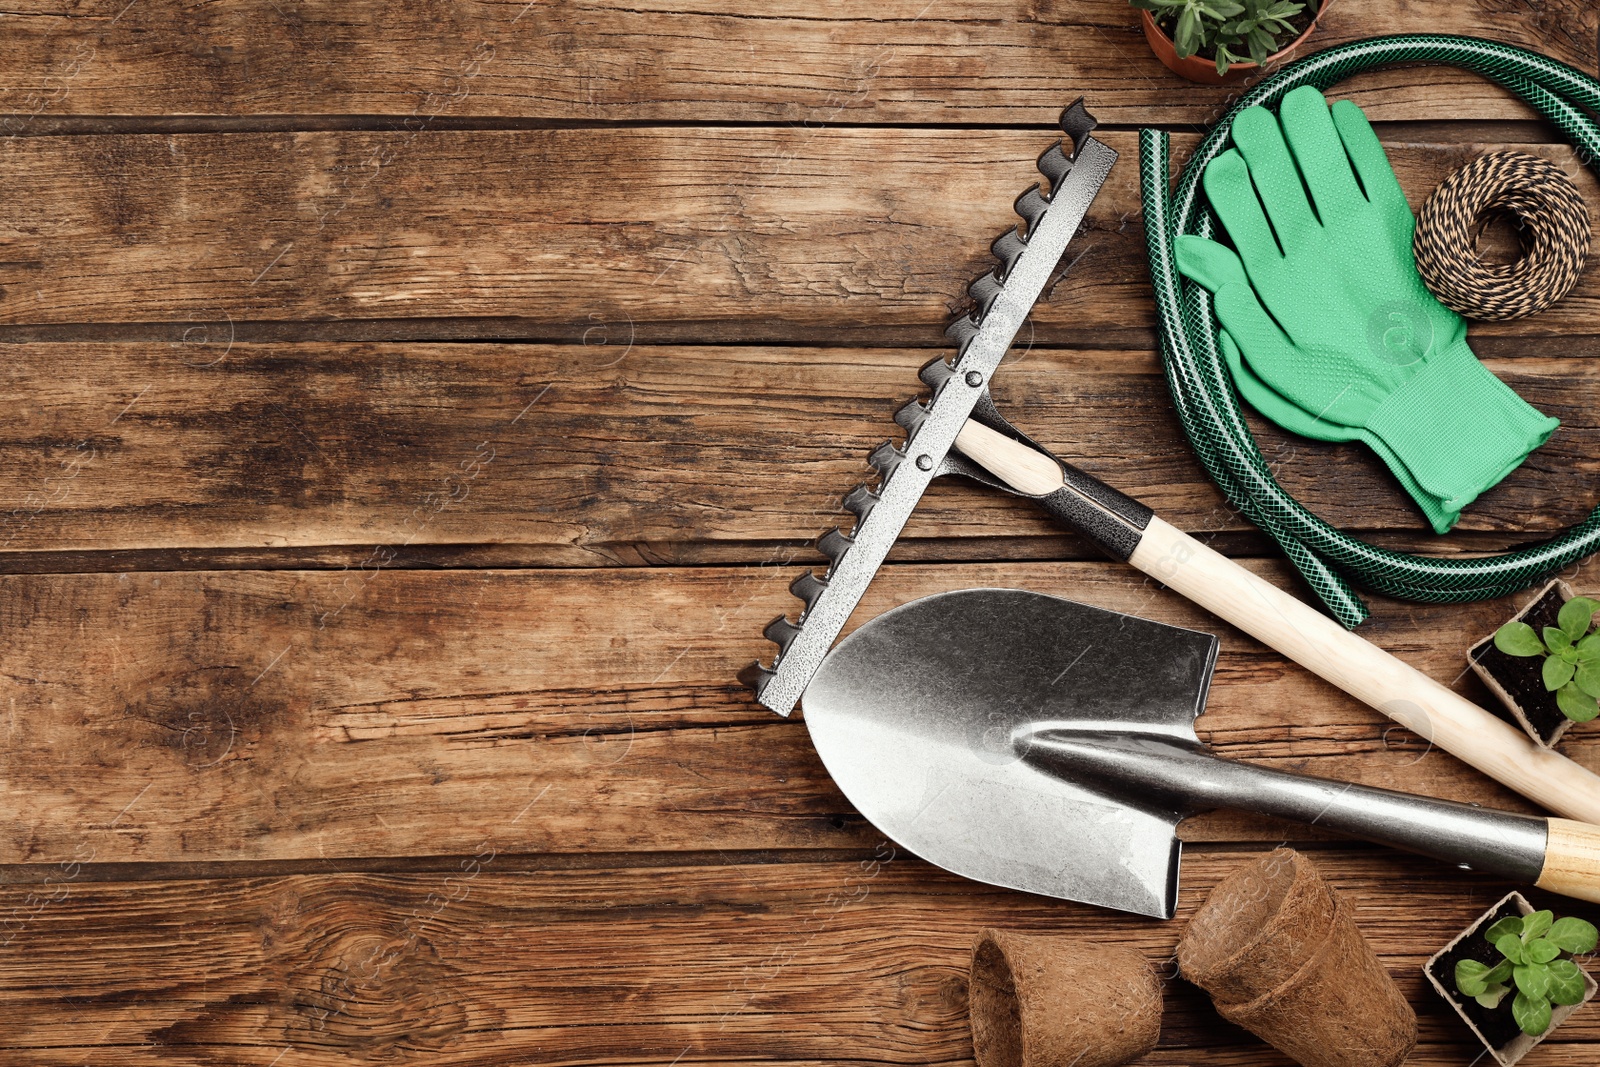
(1038,744)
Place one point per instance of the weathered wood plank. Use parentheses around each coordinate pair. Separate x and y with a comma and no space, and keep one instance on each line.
(580,234)
(993,61)
(255,716)
(599,455)
(863,961)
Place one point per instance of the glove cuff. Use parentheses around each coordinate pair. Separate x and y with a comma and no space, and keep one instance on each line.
(1457,427)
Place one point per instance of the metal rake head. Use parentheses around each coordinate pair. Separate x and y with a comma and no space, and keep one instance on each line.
(1026,257)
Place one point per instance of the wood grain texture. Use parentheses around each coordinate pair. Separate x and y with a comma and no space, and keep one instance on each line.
(583,234)
(907,61)
(335,805)
(1572,860)
(609,454)
(252,716)
(860,961)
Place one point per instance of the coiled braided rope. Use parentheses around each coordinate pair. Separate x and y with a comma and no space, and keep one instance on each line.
(1202,390)
(1552,224)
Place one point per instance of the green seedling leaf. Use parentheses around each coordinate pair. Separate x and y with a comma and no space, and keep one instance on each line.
(1471,978)
(1573,935)
(1499,974)
(1261,44)
(1556,639)
(1575,704)
(1535,923)
(1531,1013)
(1575,615)
(1557,672)
(1587,676)
(1533,979)
(1516,638)
(1492,997)
(1566,982)
(1186,40)
(1590,643)
(1512,948)
(1542,951)
(1511,924)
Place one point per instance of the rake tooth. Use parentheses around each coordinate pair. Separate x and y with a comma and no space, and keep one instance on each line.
(985,290)
(885,458)
(1054,164)
(1031,206)
(910,416)
(755,676)
(1077,123)
(808,587)
(936,372)
(859,501)
(781,632)
(1007,248)
(961,331)
(834,544)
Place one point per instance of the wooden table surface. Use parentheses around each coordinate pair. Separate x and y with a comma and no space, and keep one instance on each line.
(413,412)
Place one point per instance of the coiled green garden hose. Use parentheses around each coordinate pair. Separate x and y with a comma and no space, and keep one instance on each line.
(1197,375)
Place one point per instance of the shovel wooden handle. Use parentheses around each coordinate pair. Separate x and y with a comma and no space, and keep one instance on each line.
(1572,860)
(1328,650)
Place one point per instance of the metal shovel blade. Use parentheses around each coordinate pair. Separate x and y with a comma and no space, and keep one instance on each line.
(917,713)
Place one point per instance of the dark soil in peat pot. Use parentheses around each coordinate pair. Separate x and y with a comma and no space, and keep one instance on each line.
(1497,1026)
(1521,676)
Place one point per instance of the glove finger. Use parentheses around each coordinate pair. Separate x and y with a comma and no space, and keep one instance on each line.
(1285,413)
(1309,129)
(1273,404)
(1269,350)
(1233,198)
(1371,163)
(1210,264)
(1272,170)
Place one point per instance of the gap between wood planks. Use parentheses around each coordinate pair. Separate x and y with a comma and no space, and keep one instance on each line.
(514,862)
(1507,130)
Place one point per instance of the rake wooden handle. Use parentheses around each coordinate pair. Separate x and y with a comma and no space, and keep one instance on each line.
(1328,650)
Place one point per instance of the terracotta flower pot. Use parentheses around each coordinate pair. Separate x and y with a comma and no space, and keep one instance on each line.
(1203,69)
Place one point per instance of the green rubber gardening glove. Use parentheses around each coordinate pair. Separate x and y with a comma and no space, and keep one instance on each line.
(1214,266)
(1332,315)
(1270,403)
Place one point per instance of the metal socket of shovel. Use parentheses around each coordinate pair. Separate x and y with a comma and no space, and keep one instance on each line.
(1030,742)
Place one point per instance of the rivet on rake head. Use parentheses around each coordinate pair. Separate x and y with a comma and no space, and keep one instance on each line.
(974,379)
(925,463)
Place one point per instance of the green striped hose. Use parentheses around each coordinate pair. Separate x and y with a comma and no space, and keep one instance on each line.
(1202,392)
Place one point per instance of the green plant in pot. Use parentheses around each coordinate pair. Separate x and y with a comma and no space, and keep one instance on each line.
(1512,975)
(1228,32)
(1536,961)
(1571,654)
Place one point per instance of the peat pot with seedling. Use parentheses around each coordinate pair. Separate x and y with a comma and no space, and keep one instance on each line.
(1544,665)
(1511,976)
